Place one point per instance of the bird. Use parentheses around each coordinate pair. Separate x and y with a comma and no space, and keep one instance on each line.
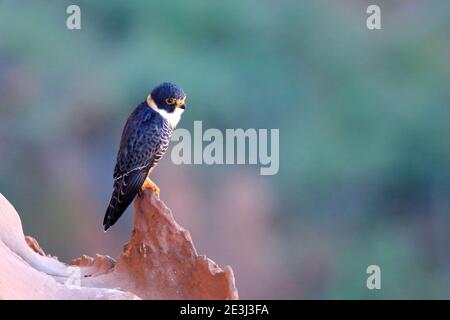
(145,139)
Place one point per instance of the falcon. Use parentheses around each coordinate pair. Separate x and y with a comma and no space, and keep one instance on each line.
(144,141)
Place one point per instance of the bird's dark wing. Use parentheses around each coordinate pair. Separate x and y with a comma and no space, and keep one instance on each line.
(124,191)
(144,139)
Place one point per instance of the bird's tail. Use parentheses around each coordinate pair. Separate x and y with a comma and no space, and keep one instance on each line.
(111,217)
(115,208)
(119,203)
(124,191)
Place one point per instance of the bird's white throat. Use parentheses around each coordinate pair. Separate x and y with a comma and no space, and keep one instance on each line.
(173,118)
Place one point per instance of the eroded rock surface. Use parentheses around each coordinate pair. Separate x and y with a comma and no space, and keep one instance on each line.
(158,262)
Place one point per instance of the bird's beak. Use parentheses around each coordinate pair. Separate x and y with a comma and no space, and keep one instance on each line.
(181,103)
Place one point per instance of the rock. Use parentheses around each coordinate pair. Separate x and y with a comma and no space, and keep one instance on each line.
(34,245)
(158,262)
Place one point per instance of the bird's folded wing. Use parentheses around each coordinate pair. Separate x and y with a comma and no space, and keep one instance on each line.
(125,189)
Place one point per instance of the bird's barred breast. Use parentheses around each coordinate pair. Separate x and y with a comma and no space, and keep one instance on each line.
(158,140)
(166,133)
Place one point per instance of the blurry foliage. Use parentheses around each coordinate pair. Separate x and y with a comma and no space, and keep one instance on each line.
(363,115)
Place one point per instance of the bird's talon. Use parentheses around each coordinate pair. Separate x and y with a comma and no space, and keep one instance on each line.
(149,184)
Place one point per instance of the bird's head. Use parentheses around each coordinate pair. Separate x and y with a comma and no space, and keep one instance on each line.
(168,97)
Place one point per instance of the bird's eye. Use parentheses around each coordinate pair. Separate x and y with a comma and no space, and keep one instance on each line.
(170,101)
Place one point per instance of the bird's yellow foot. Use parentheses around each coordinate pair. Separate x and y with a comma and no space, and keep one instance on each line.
(149,184)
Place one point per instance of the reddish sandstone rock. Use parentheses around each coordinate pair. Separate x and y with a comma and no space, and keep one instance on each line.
(158,262)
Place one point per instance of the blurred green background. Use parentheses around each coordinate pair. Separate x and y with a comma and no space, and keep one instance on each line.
(364,119)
